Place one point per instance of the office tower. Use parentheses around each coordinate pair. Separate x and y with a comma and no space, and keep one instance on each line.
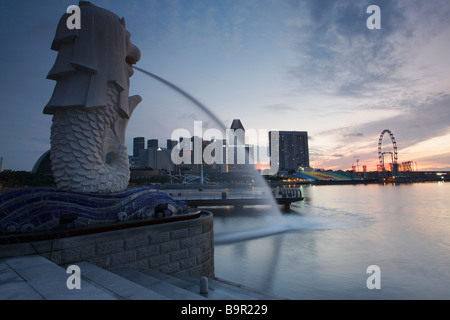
(237,124)
(239,155)
(152,143)
(138,144)
(292,149)
(171,144)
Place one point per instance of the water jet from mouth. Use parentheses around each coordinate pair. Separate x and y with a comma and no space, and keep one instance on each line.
(274,220)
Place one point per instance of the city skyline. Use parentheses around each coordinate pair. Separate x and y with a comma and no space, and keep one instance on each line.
(232,149)
(275,65)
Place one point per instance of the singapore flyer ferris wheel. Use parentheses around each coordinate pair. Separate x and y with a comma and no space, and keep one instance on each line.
(393,153)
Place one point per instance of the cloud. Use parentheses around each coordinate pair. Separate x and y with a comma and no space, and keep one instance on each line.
(420,121)
(414,126)
(280,108)
(357,134)
(440,162)
(338,55)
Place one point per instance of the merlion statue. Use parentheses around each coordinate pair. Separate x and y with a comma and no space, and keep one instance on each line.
(90,103)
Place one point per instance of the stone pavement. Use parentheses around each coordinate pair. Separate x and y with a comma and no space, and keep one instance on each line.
(34,277)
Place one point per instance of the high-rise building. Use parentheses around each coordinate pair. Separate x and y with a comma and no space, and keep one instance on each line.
(239,155)
(152,143)
(237,124)
(171,143)
(138,144)
(292,149)
(156,159)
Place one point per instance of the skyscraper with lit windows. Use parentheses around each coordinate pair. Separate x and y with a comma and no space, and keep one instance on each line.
(292,149)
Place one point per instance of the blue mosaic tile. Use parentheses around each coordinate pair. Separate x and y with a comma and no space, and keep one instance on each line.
(41,207)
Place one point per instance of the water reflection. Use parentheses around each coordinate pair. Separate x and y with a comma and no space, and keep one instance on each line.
(402,229)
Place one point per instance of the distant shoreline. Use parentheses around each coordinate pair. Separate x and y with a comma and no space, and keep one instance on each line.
(352,182)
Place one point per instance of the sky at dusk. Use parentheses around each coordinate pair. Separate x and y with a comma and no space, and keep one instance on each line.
(288,65)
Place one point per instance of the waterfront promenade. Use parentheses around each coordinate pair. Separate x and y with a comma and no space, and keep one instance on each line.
(200,197)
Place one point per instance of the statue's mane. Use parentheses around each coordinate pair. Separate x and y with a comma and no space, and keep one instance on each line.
(81,70)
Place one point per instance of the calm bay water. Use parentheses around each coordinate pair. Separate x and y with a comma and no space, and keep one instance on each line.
(331,237)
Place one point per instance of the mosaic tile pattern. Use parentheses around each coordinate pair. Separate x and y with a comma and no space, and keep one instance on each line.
(33,210)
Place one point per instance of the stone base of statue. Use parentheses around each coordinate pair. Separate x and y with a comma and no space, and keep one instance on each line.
(47,210)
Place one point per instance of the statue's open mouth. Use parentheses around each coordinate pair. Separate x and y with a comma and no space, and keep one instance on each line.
(130,61)
(132,57)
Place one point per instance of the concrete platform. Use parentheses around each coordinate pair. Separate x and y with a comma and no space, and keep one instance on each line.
(33,277)
(162,287)
(37,278)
